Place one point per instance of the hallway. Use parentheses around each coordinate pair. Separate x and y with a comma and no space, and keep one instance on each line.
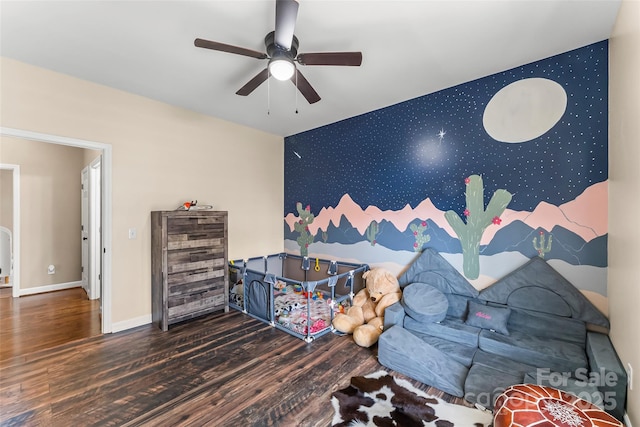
(36,322)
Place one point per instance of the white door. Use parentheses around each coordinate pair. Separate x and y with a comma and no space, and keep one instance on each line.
(84,218)
(95,231)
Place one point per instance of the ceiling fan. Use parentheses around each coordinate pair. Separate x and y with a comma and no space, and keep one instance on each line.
(282,53)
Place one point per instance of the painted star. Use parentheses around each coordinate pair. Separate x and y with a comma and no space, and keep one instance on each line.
(441,134)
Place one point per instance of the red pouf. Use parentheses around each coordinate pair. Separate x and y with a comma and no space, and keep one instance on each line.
(526,405)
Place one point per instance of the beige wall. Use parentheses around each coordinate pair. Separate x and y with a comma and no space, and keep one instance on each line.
(6,196)
(162,156)
(50,214)
(624,188)
(50,210)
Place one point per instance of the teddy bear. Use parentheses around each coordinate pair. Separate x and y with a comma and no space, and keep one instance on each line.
(365,318)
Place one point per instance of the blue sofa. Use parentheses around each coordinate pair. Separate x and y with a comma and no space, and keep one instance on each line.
(532,326)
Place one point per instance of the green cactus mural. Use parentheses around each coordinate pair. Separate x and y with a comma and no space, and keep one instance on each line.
(302,227)
(477,220)
(418,233)
(540,246)
(372,232)
(325,236)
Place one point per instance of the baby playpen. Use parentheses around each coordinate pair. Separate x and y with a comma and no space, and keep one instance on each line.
(298,295)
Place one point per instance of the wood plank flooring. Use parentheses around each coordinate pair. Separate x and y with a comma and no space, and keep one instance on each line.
(224,369)
(36,322)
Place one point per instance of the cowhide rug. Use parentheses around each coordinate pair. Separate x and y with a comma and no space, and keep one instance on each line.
(384,401)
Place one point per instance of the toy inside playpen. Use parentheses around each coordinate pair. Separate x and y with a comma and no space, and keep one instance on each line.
(298,295)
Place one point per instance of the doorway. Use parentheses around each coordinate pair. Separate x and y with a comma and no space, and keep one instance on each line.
(11,218)
(105,256)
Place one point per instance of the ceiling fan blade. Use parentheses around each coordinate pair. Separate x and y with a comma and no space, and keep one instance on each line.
(286,15)
(331,58)
(305,87)
(207,44)
(254,83)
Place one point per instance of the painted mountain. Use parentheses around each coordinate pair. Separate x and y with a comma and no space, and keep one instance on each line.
(572,237)
(573,232)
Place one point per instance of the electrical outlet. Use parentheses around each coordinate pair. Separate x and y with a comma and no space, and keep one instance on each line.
(630,376)
(51,269)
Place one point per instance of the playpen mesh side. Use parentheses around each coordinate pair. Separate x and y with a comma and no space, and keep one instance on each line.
(269,303)
(291,270)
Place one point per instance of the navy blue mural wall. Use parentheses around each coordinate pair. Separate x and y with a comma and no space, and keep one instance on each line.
(490,173)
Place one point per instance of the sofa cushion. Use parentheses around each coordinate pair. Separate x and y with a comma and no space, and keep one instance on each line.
(400,350)
(431,267)
(612,375)
(539,299)
(501,363)
(547,326)
(583,389)
(424,303)
(459,305)
(526,282)
(394,315)
(484,384)
(556,355)
(488,317)
(450,329)
(459,352)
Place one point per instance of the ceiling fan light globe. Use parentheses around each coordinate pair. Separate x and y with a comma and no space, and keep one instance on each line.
(281,69)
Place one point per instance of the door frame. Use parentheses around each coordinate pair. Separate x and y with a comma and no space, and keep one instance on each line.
(107,202)
(15,233)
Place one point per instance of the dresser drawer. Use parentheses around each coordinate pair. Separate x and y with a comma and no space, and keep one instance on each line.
(195,224)
(185,241)
(194,304)
(195,287)
(195,255)
(191,276)
(196,266)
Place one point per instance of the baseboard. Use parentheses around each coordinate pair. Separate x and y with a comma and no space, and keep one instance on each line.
(627,421)
(131,323)
(50,288)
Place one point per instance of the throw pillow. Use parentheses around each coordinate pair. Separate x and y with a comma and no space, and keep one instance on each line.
(424,303)
(488,317)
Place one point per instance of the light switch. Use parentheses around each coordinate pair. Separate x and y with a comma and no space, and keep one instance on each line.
(133,233)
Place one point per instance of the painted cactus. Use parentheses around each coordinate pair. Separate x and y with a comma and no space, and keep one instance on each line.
(477,220)
(418,234)
(540,245)
(372,232)
(302,227)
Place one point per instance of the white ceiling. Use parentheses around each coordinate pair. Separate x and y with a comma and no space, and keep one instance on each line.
(410,48)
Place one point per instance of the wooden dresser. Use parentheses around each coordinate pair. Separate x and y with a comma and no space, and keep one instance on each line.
(189,275)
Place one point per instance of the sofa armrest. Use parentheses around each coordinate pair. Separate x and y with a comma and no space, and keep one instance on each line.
(394,315)
(609,373)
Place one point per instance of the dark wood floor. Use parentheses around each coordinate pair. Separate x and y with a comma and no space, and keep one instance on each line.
(219,370)
(36,322)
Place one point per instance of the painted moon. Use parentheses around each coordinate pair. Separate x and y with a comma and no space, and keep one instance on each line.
(524,110)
